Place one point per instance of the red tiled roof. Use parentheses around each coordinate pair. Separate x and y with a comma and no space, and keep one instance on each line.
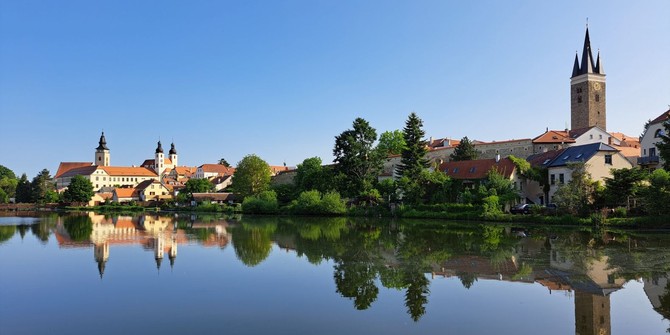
(81,171)
(66,166)
(278,168)
(152,162)
(217,168)
(126,192)
(477,169)
(661,118)
(498,142)
(128,171)
(554,136)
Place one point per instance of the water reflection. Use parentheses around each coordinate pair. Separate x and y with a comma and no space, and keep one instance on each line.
(407,256)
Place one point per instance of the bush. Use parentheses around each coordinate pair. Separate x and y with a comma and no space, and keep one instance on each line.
(313,203)
(491,205)
(619,212)
(263,203)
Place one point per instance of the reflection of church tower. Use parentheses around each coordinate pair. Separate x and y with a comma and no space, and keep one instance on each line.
(101,254)
(102,152)
(173,251)
(159,246)
(592,314)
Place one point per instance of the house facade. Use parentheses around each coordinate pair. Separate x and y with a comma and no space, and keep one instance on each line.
(649,155)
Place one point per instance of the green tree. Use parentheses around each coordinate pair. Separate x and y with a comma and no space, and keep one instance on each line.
(6,172)
(413,161)
(252,176)
(356,158)
(464,151)
(194,185)
(502,186)
(79,190)
(391,143)
(24,190)
(657,195)
(8,186)
(310,175)
(624,184)
(664,145)
(42,187)
(223,162)
(576,196)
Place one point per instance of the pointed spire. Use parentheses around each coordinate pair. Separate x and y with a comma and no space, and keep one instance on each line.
(158,263)
(599,65)
(101,268)
(173,151)
(102,144)
(159,149)
(587,55)
(575,68)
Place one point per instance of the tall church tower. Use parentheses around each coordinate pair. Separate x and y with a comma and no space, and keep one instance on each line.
(102,152)
(173,155)
(159,162)
(587,90)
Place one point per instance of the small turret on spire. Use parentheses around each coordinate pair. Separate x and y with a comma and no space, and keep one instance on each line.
(159,149)
(173,151)
(575,68)
(599,65)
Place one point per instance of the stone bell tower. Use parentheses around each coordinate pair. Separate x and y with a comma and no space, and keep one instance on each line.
(587,90)
(102,152)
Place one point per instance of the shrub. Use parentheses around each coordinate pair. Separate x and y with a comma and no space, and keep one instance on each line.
(263,203)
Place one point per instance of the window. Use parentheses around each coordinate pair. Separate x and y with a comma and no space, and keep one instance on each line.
(652,152)
(546,161)
(553,179)
(561,178)
(608,159)
(591,136)
(601,135)
(579,156)
(579,99)
(472,169)
(455,170)
(597,97)
(658,133)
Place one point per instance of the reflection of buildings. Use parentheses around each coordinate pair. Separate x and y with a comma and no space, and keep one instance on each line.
(160,234)
(658,292)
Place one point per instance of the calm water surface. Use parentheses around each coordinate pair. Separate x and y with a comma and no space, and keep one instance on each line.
(164,274)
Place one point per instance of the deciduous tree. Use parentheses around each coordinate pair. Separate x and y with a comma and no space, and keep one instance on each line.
(356,158)
(664,145)
(79,190)
(391,143)
(252,176)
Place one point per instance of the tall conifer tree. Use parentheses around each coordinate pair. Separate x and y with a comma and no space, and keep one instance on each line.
(413,159)
(465,151)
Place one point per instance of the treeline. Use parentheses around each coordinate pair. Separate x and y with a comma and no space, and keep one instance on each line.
(41,189)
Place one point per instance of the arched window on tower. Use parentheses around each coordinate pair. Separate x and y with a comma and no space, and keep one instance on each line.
(597,97)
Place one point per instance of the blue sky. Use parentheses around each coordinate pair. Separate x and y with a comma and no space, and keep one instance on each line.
(282,78)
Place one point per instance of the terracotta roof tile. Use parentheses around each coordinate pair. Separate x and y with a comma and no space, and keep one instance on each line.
(217,168)
(554,136)
(661,118)
(126,192)
(66,166)
(477,169)
(128,171)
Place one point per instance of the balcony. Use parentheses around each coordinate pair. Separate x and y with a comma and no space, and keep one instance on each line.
(647,160)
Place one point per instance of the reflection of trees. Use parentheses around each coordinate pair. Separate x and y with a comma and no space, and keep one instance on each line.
(416,296)
(467,279)
(355,280)
(253,241)
(6,232)
(79,227)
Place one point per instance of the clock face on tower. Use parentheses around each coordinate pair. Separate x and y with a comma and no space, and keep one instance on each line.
(596,86)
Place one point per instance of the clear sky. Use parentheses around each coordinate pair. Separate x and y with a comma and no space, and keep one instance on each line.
(281,79)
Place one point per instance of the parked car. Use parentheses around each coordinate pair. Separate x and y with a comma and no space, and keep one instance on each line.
(520,209)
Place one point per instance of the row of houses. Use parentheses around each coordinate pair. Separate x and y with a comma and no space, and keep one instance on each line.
(154,179)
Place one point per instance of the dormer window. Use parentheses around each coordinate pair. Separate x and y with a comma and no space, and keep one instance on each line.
(472,169)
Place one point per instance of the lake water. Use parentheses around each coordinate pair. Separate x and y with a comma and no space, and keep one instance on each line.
(83,274)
